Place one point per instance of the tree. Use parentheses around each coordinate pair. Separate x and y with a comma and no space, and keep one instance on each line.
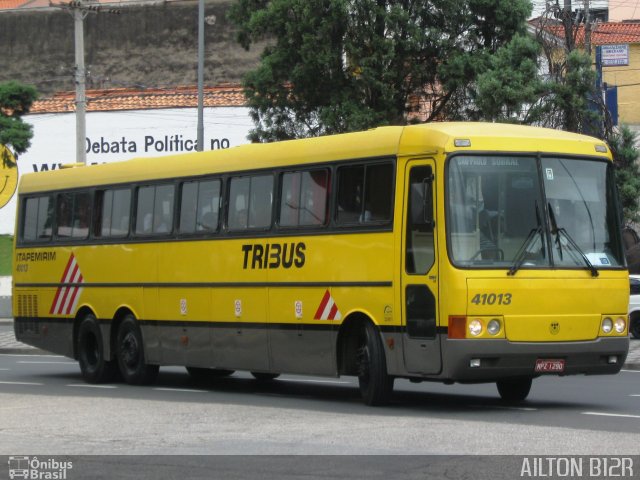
(569,98)
(626,156)
(504,92)
(340,65)
(15,101)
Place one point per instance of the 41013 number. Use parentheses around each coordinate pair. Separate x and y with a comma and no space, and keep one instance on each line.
(491,299)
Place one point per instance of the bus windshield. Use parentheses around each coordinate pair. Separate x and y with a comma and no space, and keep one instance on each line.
(525,212)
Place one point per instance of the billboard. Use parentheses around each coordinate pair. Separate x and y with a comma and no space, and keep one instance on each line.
(615,55)
(122,135)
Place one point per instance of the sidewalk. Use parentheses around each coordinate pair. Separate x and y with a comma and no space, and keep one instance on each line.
(9,344)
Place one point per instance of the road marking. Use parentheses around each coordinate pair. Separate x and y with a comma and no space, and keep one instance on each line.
(28,355)
(631,371)
(4,369)
(167,389)
(635,395)
(88,385)
(22,383)
(505,407)
(329,382)
(47,363)
(623,415)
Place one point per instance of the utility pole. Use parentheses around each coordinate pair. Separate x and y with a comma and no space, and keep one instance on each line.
(210,20)
(81,99)
(567,22)
(587,28)
(200,140)
(79,10)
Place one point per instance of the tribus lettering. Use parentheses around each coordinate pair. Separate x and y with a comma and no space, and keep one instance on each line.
(273,255)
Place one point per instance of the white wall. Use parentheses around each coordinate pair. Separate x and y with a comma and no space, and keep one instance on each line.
(116,136)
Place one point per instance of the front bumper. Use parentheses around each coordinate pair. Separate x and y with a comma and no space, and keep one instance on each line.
(502,358)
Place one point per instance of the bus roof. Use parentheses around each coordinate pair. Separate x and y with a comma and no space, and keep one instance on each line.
(430,138)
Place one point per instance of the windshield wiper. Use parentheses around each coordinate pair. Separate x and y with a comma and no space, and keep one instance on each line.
(522,252)
(559,231)
(521,255)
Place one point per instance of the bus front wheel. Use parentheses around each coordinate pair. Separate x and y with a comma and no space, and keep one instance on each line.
(375,384)
(514,390)
(95,367)
(130,354)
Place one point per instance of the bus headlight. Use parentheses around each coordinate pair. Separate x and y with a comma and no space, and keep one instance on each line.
(493,327)
(607,325)
(475,327)
(620,324)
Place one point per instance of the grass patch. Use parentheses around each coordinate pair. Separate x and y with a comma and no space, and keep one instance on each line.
(6,254)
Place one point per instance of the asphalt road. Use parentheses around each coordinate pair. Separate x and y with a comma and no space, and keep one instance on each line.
(45,406)
(307,427)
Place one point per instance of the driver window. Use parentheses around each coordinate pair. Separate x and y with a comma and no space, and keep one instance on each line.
(420,249)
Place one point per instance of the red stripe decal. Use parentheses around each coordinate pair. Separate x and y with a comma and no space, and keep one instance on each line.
(323,304)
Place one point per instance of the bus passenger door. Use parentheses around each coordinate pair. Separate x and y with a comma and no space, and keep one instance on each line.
(419,275)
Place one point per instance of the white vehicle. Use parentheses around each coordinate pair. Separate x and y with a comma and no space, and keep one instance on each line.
(634,305)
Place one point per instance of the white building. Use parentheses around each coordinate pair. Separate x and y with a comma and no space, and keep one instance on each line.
(124,123)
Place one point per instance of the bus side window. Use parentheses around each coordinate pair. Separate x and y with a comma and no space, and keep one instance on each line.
(350,186)
(38,218)
(163,209)
(365,193)
(250,202)
(261,201)
(64,204)
(238,203)
(303,200)
(199,206)
(378,193)
(113,209)
(154,213)
(73,214)
(81,215)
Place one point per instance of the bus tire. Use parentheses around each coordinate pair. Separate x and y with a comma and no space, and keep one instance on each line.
(375,384)
(95,367)
(634,324)
(514,390)
(264,376)
(130,354)
(205,374)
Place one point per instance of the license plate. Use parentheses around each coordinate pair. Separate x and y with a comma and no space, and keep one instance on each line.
(544,365)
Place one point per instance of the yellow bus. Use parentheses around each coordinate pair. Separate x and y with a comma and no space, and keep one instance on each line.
(451,252)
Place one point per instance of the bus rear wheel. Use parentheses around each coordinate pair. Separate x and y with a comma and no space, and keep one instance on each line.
(95,367)
(514,390)
(130,354)
(375,384)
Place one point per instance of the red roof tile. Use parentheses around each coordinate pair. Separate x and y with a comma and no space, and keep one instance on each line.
(143,99)
(11,4)
(22,4)
(607,33)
